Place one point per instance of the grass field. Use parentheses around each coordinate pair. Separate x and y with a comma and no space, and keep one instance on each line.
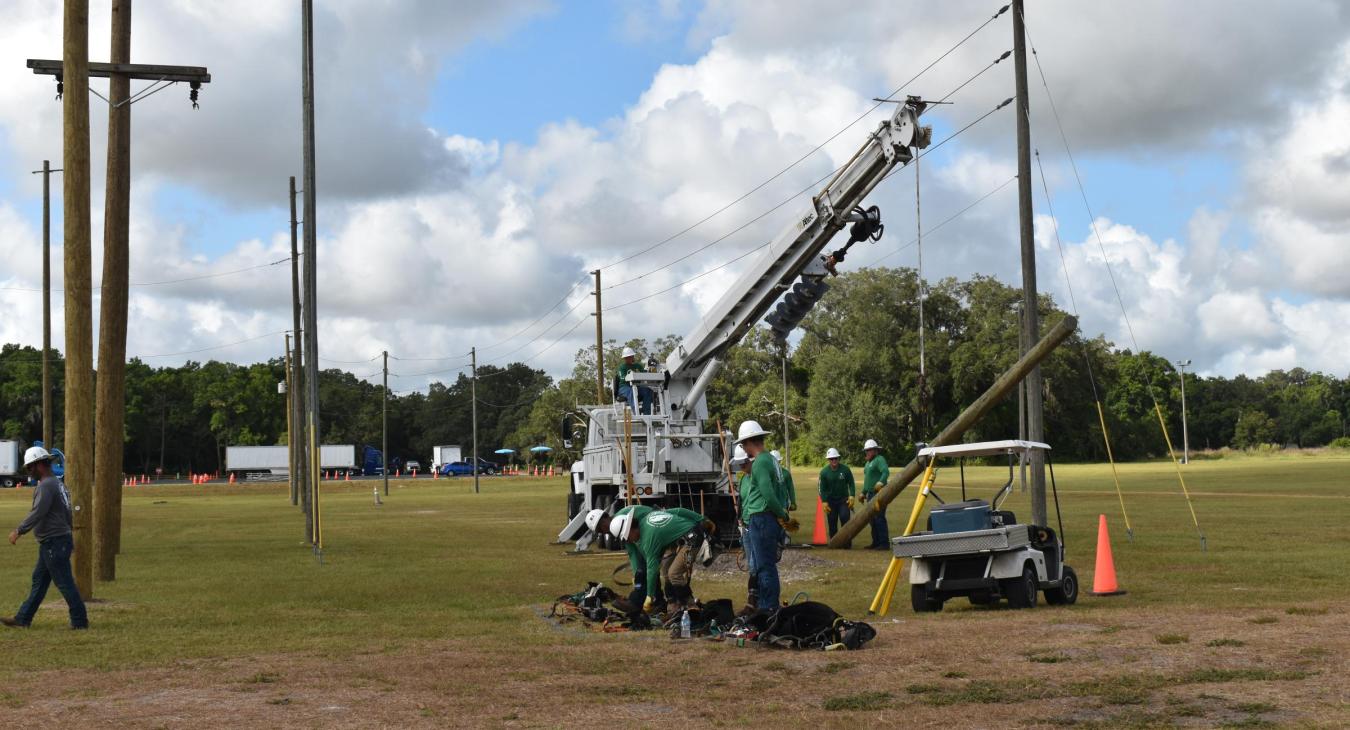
(427,611)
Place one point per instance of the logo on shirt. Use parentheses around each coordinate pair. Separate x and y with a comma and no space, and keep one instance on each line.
(656,519)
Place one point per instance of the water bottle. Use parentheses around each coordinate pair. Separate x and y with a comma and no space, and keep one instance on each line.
(685,629)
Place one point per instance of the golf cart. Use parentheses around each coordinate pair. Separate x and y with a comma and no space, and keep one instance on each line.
(974,549)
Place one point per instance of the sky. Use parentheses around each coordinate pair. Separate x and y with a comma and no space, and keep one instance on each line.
(476,159)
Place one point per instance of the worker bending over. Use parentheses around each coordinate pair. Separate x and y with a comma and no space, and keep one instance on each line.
(765,515)
(666,542)
(876,472)
(599,522)
(836,490)
(625,388)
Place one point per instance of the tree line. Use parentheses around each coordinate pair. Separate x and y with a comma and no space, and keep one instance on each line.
(853,375)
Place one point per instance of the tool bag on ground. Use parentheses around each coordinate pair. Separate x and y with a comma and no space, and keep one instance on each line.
(810,625)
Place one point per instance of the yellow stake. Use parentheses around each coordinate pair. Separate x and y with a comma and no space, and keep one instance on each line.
(1101,416)
(881,604)
(1172,453)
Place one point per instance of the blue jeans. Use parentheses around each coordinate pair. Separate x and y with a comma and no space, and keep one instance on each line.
(53,566)
(762,538)
(881,532)
(644,397)
(838,513)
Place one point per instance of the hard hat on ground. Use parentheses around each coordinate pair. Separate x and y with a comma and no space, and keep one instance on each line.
(832,453)
(593,519)
(618,527)
(871,444)
(628,352)
(34,455)
(750,430)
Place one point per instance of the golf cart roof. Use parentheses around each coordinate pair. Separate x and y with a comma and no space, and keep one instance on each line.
(985,448)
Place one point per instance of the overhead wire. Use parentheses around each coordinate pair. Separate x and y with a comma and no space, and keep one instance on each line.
(166,281)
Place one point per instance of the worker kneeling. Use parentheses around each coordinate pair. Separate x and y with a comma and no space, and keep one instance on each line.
(666,543)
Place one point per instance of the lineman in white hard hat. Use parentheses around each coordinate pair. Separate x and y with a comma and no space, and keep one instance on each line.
(49,521)
(663,546)
(789,495)
(876,472)
(624,389)
(765,515)
(836,490)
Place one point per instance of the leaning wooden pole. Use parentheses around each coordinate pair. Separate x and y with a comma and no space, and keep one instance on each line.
(79,315)
(110,413)
(953,432)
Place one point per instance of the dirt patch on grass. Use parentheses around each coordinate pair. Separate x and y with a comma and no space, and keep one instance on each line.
(1031,668)
(798,565)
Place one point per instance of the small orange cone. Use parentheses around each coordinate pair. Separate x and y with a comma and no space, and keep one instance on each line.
(231,477)
(349,476)
(435,473)
(820,538)
(1104,577)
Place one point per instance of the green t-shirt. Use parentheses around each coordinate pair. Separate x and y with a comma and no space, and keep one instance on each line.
(659,529)
(625,369)
(761,491)
(877,472)
(789,495)
(836,483)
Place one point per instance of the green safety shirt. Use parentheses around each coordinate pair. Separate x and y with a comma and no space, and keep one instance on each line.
(876,473)
(625,369)
(789,494)
(761,492)
(658,529)
(835,483)
(639,512)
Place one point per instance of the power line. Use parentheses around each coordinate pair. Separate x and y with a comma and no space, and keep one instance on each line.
(166,281)
(951,218)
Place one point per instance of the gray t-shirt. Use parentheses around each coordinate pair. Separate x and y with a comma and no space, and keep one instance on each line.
(50,516)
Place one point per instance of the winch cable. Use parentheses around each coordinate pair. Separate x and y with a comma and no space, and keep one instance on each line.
(1087,358)
(1082,191)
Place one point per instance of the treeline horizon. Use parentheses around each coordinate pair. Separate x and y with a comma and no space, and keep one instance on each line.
(853,375)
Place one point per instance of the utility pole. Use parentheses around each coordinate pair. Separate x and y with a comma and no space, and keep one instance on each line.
(1030,319)
(599,345)
(384,427)
(1185,435)
(473,394)
(787,439)
(79,315)
(300,480)
(291,461)
(311,271)
(46,172)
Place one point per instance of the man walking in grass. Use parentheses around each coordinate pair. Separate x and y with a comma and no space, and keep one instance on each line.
(49,521)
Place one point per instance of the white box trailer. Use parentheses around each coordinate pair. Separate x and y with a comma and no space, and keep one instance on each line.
(11,469)
(441,455)
(245,460)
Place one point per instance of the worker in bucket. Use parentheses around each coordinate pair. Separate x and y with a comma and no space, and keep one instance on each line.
(836,490)
(666,543)
(876,472)
(625,389)
(789,495)
(766,517)
(49,521)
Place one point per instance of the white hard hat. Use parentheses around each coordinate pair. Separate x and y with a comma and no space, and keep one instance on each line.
(628,352)
(750,430)
(832,453)
(34,455)
(871,444)
(593,519)
(618,527)
(777,456)
(739,455)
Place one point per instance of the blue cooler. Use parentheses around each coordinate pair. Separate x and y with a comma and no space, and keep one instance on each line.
(961,517)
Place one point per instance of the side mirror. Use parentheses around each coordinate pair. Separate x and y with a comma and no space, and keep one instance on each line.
(565,431)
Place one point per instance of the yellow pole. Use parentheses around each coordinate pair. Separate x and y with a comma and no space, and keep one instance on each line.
(1180,478)
(1101,416)
(881,604)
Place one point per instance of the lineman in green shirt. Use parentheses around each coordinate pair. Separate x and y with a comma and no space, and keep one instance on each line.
(876,472)
(836,490)
(665,543)
(599,522)
(765,515)
(789,495)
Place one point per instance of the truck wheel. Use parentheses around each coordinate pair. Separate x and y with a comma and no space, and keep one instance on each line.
(8,482)
(1067,592)
(922,600)
(1021,592)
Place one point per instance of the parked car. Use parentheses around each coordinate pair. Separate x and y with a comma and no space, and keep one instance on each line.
(464,468)
(412,466)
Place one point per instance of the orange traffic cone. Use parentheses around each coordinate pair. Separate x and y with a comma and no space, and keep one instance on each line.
(435,473)
(231,477)
(349,476)
(1104,577)
(820,538)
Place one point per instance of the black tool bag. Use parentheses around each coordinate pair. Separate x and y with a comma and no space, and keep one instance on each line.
(810,625)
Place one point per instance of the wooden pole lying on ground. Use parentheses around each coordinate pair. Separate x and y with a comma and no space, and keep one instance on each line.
(953,432)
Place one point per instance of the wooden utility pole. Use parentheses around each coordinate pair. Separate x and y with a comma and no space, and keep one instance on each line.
(79,441)
(473,394)
(599,346)
(1030,318)
(110,413)
(384,427)
(952,433)
(299,480)
(46,172)
(291,461)
(787,439)
(314,438)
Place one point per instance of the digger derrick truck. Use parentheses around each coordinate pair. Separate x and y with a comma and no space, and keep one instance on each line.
(674,456)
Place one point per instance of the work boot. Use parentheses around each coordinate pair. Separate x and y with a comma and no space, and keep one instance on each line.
(12,623)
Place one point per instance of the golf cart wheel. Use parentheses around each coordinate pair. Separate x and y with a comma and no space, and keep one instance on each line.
(1021,592)
(1067,592)
(923,600)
